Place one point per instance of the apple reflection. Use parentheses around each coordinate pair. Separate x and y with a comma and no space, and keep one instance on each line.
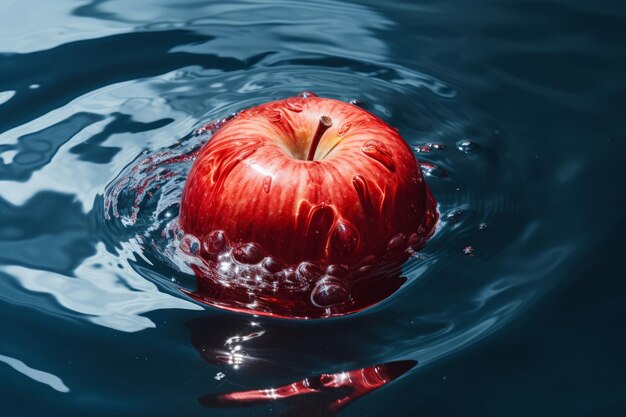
(325,394)
(267,359)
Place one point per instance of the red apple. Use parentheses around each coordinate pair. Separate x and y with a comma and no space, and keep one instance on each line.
(315,199)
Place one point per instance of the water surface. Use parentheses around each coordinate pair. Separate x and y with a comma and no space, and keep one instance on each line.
(515,108)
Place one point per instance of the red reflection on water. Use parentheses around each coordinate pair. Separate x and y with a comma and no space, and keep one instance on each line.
(331,391)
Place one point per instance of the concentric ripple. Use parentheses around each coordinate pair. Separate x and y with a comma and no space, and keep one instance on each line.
(94,156)
(474,185)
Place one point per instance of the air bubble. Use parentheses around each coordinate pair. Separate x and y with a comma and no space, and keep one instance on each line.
(306,94)
(397,243)
(339,271)
(214,243)
(483,226)
(344,239)
(272,265)
(414,239)
(369,260)
(367,264)
(309,271)
(466,146)
(190,244)
(329,292)
(249,253)
(415,242)
(356,102)
(430,147)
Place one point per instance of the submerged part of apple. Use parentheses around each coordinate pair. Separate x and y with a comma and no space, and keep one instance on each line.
(304,207)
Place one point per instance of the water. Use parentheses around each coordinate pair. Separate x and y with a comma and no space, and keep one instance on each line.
(515,108)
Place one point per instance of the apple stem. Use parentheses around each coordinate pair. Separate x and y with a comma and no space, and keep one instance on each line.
(324,124)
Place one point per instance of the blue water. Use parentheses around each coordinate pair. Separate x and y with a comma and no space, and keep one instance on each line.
(515,306)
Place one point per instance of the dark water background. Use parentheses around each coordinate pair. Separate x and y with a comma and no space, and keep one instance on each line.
(91,317)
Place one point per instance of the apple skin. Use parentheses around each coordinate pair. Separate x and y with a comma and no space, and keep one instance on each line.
(359,206)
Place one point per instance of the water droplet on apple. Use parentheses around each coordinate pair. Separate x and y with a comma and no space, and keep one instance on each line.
(414,239)
(274,116)
(309,271)
(272,265)
(378,151)
(369,260)
(329,292)
(249,253)
(288,279)
(416,242)
(293,106)
(214,242)
(344,129)
(397,243)
(267,183)
(466,146)
(339,271)
(344,239)
(432,170)
(306,94)
(367,264)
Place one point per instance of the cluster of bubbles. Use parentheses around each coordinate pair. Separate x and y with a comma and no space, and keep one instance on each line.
(245,277)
